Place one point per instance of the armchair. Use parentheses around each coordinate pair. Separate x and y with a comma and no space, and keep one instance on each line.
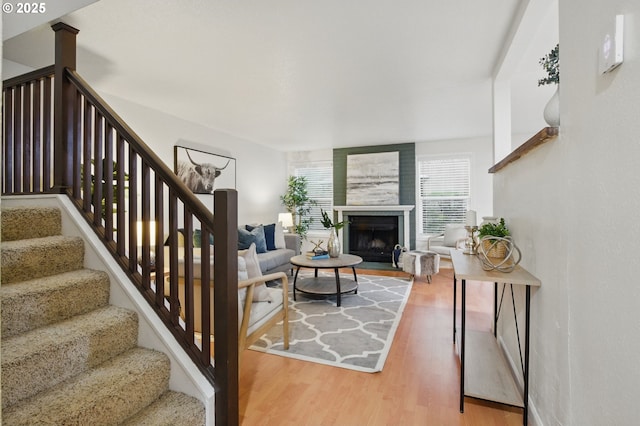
(256,318)
(453,237)
(259,307)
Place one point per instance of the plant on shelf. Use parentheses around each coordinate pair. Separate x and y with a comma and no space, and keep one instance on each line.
(550,63)
(328,223)
(490,235)
(298,203)
(491,229)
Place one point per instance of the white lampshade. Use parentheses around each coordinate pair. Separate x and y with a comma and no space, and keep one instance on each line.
(470,219)
(286,219)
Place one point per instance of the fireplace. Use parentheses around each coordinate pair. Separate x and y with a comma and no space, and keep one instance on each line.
(371,232)
(373,237)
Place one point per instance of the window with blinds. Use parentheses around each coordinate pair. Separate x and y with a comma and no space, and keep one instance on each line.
(319,187)
(444,192)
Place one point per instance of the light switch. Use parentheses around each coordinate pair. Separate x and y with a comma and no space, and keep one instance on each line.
(611,49)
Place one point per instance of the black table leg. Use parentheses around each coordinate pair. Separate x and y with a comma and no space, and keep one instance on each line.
(525,415)
(455,286)
(338,286)
(294,283)
(495,309)
(355,278)
(462,342)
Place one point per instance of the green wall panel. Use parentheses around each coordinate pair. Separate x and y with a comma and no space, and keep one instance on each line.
(407,158)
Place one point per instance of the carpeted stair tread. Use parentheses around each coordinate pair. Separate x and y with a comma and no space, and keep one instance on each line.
(105,395)
(69,358)
(35,303)
(40,257)
(44,357)
(172,408)
(21,223)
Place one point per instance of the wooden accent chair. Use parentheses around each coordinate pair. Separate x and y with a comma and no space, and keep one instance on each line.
(259,307)
(258,317)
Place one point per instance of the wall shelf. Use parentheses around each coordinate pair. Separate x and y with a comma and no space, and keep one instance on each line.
(544,135)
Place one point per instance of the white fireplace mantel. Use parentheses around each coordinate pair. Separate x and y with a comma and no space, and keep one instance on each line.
(386,208)
(404,208)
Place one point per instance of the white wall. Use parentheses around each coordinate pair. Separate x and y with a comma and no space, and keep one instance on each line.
(261,175)
(572,205)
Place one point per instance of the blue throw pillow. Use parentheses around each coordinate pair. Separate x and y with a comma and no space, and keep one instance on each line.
(255,235)
(270,236)
(261,240)
(244,239)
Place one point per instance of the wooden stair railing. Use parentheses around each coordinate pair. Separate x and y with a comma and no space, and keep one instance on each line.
(117,181)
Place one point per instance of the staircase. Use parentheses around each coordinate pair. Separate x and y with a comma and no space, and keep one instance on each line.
(68,357)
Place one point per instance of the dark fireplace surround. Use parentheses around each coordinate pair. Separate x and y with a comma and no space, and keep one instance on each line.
(372,232)
(373,237)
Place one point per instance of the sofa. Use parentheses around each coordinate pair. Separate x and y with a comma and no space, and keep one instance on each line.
(278,260)
(273,258)
(274,246)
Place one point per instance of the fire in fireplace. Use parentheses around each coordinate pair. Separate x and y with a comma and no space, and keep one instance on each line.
(373,237)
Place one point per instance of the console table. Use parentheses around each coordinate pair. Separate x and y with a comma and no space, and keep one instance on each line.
(488,375)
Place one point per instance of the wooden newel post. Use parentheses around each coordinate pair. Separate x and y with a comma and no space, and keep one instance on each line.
(64,100)
(225,301)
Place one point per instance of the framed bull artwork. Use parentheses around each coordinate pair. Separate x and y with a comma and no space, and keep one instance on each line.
(204,172)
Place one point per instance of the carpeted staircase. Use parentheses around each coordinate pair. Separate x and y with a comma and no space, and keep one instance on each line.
(68,357)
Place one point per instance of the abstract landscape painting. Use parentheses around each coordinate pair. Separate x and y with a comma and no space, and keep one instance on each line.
(373,179)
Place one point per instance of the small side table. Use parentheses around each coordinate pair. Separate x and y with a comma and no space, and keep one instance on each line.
(421,263)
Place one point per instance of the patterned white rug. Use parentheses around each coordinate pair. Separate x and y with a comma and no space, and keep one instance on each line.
(357,335)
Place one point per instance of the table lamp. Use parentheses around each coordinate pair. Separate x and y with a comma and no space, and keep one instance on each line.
(286,219)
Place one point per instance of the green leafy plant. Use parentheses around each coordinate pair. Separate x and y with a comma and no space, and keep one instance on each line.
(550,63)
(299,204)
(328,223)
(494,229)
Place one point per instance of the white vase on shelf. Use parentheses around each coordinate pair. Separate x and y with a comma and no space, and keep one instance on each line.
(552,109)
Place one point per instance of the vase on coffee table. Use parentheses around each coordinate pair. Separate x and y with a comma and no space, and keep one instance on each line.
(333,245)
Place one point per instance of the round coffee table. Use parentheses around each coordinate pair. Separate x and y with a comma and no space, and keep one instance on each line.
(326,286)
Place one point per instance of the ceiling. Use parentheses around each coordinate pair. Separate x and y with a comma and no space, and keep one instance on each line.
(303,74)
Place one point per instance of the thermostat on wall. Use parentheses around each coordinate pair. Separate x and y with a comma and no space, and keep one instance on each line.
(611,48)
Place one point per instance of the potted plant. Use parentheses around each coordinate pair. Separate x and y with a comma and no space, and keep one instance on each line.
(551,64)
(298,203)
(328,223)
(333,245)
(490,235)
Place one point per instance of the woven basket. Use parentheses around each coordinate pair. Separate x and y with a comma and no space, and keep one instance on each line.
(498,251)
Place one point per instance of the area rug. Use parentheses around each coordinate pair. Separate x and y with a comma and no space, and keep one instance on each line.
(357,335)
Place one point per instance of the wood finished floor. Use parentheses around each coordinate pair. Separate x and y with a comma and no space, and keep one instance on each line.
(419,384)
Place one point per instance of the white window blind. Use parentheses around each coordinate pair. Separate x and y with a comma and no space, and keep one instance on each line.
(319,187)
(444,192)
